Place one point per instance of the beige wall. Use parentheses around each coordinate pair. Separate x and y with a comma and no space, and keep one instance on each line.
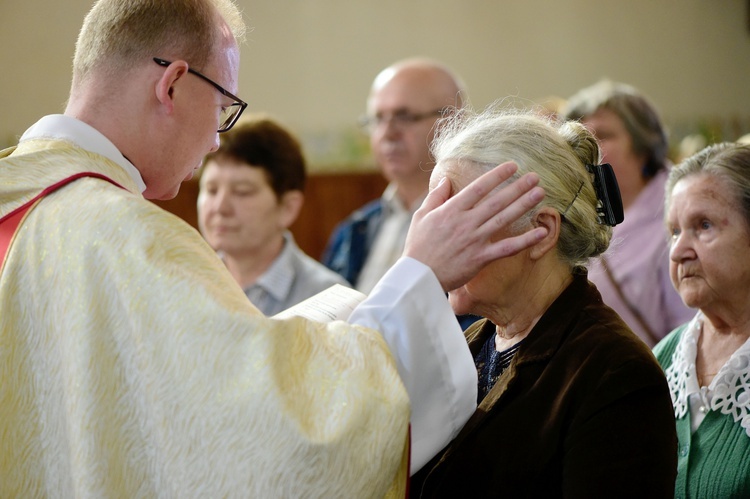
(310,62)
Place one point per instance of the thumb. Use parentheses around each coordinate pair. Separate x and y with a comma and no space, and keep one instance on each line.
(437,196)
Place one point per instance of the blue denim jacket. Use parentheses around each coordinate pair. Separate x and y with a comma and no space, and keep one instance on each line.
(350,243)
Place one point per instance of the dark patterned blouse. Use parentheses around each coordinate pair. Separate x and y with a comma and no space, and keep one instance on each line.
(491,364)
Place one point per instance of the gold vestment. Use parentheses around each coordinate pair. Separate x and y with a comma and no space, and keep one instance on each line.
(133,365)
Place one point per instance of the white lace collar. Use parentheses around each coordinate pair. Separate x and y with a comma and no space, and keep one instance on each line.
(729,392)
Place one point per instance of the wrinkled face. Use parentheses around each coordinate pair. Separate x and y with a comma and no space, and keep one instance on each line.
(615,142)
(494,285)
(401,147)
(238,211)
(197,109)
(709,244)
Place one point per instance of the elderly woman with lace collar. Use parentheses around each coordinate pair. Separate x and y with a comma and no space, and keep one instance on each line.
(571,402)
(707,361)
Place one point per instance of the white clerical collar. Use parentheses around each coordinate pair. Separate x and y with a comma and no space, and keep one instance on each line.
(69,129)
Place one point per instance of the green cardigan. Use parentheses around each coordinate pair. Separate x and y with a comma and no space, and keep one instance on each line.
(715,460)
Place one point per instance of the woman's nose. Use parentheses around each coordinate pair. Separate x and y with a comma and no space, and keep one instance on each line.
(222,202)
(680,247)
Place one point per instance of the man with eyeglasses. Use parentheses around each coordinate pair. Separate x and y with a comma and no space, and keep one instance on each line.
(405,102)
(132,363)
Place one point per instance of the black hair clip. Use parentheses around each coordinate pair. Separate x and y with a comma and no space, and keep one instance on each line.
(609,207)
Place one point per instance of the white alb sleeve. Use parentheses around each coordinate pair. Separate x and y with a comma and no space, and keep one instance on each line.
(410,309)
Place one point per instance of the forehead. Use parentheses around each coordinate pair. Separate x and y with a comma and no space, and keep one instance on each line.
(603,118)
(700,192)
(225,65)
(413,88)
(458,173)
(229,170)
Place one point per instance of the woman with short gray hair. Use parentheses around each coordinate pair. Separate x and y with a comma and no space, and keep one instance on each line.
(707,360)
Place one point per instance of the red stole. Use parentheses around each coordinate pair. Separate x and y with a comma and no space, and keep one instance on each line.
(10,222)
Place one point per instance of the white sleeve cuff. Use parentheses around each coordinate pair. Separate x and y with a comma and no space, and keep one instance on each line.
(410,309)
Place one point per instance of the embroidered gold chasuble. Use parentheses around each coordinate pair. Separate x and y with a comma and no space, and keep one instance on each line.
(134,366)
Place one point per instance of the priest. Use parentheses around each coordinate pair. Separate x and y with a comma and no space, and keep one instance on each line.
(132,363)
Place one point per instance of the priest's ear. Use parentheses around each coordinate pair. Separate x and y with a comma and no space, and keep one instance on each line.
(165,87)
(290,205)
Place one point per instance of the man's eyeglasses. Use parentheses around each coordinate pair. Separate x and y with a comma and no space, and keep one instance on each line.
(229,114)
(400,119)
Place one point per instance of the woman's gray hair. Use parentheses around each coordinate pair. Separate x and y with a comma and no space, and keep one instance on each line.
(556,151)
(727,161)
(639,116)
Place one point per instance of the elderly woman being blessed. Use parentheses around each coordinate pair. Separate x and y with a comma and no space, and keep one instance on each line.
(565,387)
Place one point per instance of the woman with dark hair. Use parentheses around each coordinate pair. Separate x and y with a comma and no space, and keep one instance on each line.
(251,192)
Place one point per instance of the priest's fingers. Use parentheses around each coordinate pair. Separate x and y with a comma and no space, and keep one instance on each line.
(481,187)
(454,238)
(500,208)
(454,264)
(509,246)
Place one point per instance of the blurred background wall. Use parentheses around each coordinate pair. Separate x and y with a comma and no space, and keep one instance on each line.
(310,62)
